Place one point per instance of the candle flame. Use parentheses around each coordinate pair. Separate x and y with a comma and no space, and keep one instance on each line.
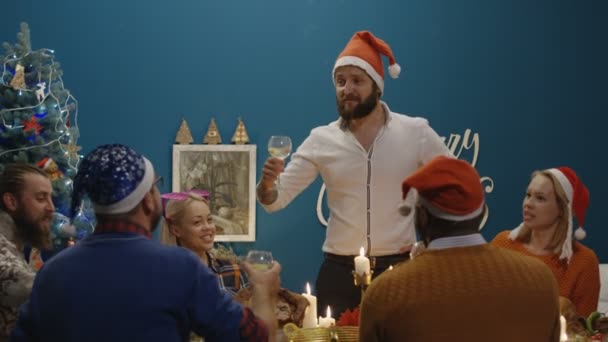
(328,312)
(362,251)
(308,289)
(390,268)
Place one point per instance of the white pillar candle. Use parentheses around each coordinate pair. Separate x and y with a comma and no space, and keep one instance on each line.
(310,315)
(326,322)
(362,263)
(563,324)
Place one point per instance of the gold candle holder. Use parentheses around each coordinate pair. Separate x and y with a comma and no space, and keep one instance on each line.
(363,280)
(332,334)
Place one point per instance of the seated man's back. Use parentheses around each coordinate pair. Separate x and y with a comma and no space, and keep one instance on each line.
(463,294)
(124,287)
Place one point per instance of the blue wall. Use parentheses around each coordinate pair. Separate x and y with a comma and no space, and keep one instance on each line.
(528,76)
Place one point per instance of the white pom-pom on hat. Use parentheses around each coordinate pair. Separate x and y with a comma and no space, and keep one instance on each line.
(394,70)
(580,233)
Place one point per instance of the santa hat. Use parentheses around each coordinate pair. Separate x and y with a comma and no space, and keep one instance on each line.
(578,201)
(363,50)
(448,188)
(114,177)
(44,163)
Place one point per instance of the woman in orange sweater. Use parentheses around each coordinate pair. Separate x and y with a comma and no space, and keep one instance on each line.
(553,197)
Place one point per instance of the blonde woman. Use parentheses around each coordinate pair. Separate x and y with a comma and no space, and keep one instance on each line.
(187,222)
(553,198)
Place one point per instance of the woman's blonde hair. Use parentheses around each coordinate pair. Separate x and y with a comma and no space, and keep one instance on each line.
(559,236)
(172,213)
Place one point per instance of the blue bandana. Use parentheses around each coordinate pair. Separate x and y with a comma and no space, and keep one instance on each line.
(115,178)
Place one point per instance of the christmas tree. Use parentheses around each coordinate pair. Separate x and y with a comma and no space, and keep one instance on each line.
(39,126)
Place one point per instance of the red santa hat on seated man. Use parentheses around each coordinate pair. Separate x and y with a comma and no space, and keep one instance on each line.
(363,51)
(448,188)
(578,201)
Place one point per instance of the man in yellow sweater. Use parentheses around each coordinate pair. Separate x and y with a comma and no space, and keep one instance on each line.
(460,288)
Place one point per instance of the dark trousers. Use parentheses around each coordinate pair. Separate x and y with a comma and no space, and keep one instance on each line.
(335,285)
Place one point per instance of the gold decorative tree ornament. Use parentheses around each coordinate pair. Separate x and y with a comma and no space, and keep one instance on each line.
(18,81)
(71,149)
(240,136)
(212,136)
(184,136)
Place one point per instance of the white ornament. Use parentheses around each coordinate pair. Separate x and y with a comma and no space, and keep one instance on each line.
(40,91)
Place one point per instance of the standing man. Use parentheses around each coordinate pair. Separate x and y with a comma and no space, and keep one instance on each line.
(360,156)
(460,288)
(120,285)
(26,213)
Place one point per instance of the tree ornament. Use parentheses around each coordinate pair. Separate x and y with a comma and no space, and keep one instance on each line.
(51,168)
(71,149)
(18,81)
(212,136)
(184,136)
(32,124)
(240,136)
(40,91)
(40,111)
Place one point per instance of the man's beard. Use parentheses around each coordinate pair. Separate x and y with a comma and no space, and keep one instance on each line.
(361,110)
(31,230)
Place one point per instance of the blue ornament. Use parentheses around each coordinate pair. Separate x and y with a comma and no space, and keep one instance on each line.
(84,225)
(61,227)
(71,172)
(40,111)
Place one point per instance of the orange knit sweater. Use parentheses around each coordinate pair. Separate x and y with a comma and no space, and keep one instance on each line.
(478,293)
(578,281)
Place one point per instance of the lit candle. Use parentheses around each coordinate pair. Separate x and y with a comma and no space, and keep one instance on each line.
(563,336)
(326,322)
(390,268)
(310,315)
(362,263)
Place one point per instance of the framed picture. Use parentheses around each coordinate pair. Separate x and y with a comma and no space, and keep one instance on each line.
(228,173)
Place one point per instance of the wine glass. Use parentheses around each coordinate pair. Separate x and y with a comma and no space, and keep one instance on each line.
(279,146)
(260,260)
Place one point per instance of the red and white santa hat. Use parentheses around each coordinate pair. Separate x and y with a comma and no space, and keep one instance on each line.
(364,51)
(448,188)
(578,201)
(44,163)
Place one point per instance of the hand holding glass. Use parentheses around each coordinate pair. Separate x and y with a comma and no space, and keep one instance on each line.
(260,260)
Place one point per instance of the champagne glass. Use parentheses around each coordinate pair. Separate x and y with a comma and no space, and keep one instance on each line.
(279,146)
(260,260)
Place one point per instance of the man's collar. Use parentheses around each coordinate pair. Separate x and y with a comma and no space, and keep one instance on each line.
(121,226)
(457,241)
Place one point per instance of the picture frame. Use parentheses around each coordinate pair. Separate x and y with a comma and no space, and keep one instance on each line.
(228,172)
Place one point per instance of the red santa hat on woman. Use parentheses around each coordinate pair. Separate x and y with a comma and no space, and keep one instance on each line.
(363,51)
(578,201)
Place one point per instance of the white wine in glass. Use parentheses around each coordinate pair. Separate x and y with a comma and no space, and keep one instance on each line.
(279,146)
(260,260)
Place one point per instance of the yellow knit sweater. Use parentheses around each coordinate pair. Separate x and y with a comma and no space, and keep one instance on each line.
(479,293)
(578,281)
